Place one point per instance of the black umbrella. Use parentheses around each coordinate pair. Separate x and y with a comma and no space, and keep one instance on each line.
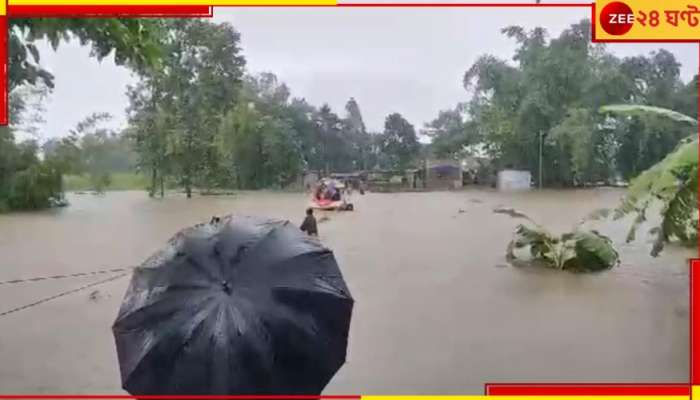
(242,306)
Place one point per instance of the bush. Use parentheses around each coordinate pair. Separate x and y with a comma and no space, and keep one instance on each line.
(577,251)
(34,187)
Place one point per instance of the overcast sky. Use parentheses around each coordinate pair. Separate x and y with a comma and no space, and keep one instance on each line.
(402,60)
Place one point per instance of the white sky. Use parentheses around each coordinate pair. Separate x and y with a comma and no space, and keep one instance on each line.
(407,60)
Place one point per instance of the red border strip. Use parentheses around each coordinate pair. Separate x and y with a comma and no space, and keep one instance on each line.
(106,11)
(587,390)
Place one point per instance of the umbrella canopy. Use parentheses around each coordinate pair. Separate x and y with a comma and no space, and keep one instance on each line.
(243,306)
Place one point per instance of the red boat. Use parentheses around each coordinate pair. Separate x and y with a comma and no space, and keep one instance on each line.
(330,194)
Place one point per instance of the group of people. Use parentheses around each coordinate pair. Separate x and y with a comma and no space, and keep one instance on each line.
(327,192)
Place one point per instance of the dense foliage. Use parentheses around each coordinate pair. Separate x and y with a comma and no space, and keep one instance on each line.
(549,96)
(202,121)
(31,176)
(672,184)
(198,120)
(134,41)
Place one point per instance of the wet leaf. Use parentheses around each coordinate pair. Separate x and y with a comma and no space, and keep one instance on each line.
(578,250)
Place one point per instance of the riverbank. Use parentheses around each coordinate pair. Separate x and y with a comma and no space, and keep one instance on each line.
(118,181)
(124,181)
(438,309)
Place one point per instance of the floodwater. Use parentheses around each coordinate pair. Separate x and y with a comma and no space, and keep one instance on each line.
(438,310)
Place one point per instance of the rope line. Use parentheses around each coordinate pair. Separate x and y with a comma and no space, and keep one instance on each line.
(44,300)
(76,275)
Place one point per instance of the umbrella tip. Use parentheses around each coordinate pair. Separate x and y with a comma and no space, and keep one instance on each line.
(226,286)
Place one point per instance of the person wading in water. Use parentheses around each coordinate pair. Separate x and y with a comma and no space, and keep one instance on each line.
(309,225)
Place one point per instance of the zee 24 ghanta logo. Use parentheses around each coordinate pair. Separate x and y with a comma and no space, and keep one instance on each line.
(618,18)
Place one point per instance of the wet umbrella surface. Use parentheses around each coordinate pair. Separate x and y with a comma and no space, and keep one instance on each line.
(244,306)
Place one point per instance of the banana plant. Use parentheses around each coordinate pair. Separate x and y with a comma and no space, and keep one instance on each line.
(673,182)
(631,110)
(577,251)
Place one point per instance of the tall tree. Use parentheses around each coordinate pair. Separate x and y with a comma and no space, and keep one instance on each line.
(357,136)
(330,127)
(135,42)
(541,112)
(150,130)
(451,133)
(198,83)
(400,142)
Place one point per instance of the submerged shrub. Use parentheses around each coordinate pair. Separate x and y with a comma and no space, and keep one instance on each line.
(34,188)
(577,251)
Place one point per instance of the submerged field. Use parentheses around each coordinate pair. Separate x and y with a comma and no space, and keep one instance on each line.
(118,181)
(438,310)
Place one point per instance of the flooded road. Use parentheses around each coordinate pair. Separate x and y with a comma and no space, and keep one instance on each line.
(438,310)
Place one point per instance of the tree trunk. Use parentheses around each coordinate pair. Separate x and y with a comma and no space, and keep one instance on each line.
(162,186)
(188,184)
(152,190)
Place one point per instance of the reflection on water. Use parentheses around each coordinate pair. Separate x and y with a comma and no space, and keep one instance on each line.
(438,310)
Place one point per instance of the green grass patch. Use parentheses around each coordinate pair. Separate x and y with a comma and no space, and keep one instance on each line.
(118,181)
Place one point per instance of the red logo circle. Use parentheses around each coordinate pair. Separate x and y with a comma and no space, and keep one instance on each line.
(616,18)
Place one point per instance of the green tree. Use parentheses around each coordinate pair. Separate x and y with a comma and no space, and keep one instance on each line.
(399,142)
(150,131)
(26,180)
(135,42)
(673,182)
(451,135)
(330,128)
(96,149)
(240,145)
(260,150)
(545,104)
(301,114)
(355,133)
(199,82)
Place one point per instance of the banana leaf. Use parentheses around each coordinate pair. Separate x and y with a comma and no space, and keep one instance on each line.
(672,182)
(578,250)
(594,252)
(636,110)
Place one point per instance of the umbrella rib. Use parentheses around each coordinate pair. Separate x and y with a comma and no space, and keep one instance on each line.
(248,250)
(161,334)
(144,308)
(317,252)
(336,292)
(199,267)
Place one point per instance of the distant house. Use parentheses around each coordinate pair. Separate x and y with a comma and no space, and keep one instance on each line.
(443,174)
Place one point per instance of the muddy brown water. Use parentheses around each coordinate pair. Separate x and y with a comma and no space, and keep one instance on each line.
(438,310)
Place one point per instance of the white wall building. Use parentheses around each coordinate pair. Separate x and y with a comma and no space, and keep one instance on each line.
(510,179)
